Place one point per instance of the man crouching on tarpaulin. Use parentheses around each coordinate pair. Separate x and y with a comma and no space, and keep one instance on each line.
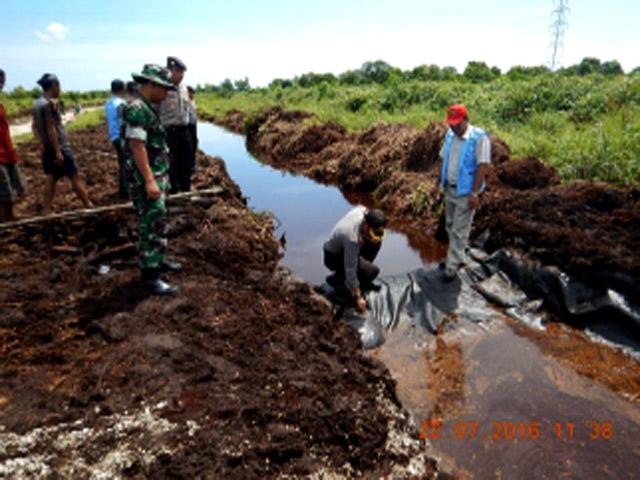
(350,251)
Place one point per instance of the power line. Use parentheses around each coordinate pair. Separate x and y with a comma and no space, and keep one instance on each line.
(558,28)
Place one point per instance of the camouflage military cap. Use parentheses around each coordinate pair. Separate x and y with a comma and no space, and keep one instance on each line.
(155,74)
(175,62)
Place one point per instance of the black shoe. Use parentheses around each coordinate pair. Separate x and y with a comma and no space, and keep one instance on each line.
(169,266)
(449,276)
(154,285)
(160,287)
(334,281)
(340,290)
(371,287)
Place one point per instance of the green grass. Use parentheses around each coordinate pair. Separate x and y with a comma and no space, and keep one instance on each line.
(87,119)
(586,127)
(14,105)
(22,104)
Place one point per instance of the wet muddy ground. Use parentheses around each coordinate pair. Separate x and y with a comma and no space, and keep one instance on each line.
(165,409)
(498,399)
(245,374)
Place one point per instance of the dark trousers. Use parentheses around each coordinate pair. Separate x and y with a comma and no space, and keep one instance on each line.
(181,151)
(123,190)
(193,133)
(367,271)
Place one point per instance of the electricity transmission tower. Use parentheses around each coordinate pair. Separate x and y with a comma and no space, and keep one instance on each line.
(558,27)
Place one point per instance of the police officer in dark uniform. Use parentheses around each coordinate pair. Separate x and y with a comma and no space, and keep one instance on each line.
(174,115)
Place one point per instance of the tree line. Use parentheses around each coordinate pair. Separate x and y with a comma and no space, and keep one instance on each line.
(380,72)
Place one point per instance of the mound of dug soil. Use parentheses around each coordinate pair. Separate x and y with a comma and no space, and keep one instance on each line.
(582,228)
(243,375)
(527,173)
(586,227)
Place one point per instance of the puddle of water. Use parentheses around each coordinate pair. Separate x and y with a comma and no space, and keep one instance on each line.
(494,392)
(306,211)
(472,376)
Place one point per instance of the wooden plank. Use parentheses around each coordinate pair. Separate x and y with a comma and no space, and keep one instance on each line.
(87,212)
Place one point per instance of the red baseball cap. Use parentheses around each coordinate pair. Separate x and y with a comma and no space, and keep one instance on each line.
(456,114)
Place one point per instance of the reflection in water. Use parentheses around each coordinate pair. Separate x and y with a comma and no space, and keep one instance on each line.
(305,210)
(429,249)
(483,370)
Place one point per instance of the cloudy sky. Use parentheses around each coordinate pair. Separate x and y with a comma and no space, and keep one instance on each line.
(89,42)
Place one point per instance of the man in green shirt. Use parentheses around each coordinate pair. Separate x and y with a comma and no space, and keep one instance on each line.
(147,164)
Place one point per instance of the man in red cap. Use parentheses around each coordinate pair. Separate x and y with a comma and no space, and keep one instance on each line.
(466,156)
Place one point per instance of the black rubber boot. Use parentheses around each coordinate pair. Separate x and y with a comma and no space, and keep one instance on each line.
(449,276)
(154,285)
(169,266)
(370,287)
(341,292)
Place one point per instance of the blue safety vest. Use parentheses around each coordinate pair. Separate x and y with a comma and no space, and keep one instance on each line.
(467,162)
(112,114)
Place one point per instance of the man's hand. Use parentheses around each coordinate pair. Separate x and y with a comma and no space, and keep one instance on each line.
(59,158)
(474,202)
(362,304)
(153,192)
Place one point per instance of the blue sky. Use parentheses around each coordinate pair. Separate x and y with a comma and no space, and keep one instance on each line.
(89,42)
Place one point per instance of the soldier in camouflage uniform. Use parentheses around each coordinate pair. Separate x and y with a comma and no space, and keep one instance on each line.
(147,165)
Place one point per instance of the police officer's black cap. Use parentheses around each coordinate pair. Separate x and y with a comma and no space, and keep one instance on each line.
(175,62)
(375,218)
(190,89)
(47,80)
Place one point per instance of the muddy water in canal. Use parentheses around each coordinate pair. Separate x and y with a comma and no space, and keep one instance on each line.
(492,397)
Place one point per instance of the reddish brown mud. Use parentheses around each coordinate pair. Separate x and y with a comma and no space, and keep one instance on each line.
(245,374)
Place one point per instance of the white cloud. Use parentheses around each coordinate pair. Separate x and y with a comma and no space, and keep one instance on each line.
(57,31)
(54,32)
(42,36)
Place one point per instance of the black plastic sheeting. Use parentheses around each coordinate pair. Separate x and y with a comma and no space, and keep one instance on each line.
(606,307)
(422,299)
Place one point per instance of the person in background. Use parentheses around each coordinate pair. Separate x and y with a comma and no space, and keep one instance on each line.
(193,125)
(174,115)
(11,183)
(113,109)
(147,157)
(57,157)
(350,251)
(132,89)
(466,158)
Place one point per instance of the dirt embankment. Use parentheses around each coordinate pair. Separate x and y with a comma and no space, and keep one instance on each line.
(233,120)
(243,375)
(586,229)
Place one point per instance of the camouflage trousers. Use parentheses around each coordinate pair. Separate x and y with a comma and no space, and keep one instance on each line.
(152,241)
